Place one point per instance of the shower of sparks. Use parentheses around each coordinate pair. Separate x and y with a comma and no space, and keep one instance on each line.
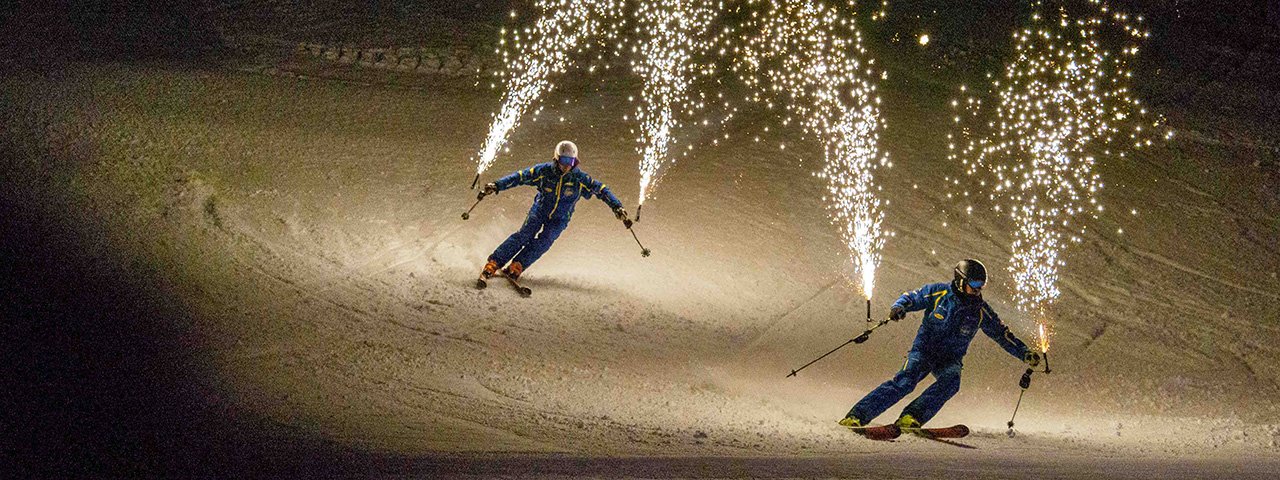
(1062,105)
(676,29)
(1043,339)
(562,29)
(812,59)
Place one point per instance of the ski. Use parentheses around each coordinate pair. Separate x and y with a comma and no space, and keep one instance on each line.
(482,282)
(954,431)
(524,291)
(882,433)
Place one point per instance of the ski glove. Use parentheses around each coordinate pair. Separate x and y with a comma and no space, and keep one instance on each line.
(489,189)
(1032,358)
(897,313)
(620,212)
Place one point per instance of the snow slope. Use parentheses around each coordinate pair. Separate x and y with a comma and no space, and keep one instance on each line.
(297,243)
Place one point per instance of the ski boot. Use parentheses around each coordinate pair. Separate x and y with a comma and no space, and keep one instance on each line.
(490,269)
(906,421)
(513,271)
(883,432)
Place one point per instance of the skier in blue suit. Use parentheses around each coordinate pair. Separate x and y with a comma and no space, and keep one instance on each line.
(560,184)
(953,313)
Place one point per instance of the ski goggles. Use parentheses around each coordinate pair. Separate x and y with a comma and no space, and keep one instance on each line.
(977,284)
(566,160)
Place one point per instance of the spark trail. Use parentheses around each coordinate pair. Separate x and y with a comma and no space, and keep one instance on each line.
(812,58)
(563,27)
(676,31)
(1062,105)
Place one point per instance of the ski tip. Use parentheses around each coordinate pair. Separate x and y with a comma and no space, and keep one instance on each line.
(525,291)
(481,284)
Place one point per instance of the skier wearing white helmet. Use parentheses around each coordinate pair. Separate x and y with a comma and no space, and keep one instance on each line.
(560,184)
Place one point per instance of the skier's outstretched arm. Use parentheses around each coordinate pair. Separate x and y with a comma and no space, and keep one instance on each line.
(998,331)
(528,176)
(914,300)
(594,187)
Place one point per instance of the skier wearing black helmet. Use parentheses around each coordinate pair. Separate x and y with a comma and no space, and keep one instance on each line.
(953,313)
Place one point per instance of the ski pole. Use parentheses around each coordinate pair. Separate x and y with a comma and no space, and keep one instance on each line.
(644,252)
(467,214)
(1025,383)
(867,334)
(793,372)
(858,339)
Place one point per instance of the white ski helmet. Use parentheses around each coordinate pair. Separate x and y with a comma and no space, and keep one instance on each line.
(567,149)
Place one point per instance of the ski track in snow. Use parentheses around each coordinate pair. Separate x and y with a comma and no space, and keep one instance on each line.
(1177,266)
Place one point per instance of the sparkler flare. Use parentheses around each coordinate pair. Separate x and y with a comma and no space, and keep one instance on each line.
(812,57)
(676,29)
(1063,101)
(563,27)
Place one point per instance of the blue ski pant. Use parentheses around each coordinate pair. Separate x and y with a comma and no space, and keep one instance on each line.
(924,407)
(532,240)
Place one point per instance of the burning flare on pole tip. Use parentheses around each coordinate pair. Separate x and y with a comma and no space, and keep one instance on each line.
(676,29)
(562,29)
(813,54)
(1063,104)
(1043,339)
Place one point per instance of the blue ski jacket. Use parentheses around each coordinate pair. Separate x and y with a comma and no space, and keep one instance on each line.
(951,320)
(557,192)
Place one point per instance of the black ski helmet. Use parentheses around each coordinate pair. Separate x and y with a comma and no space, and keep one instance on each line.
(970,271)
